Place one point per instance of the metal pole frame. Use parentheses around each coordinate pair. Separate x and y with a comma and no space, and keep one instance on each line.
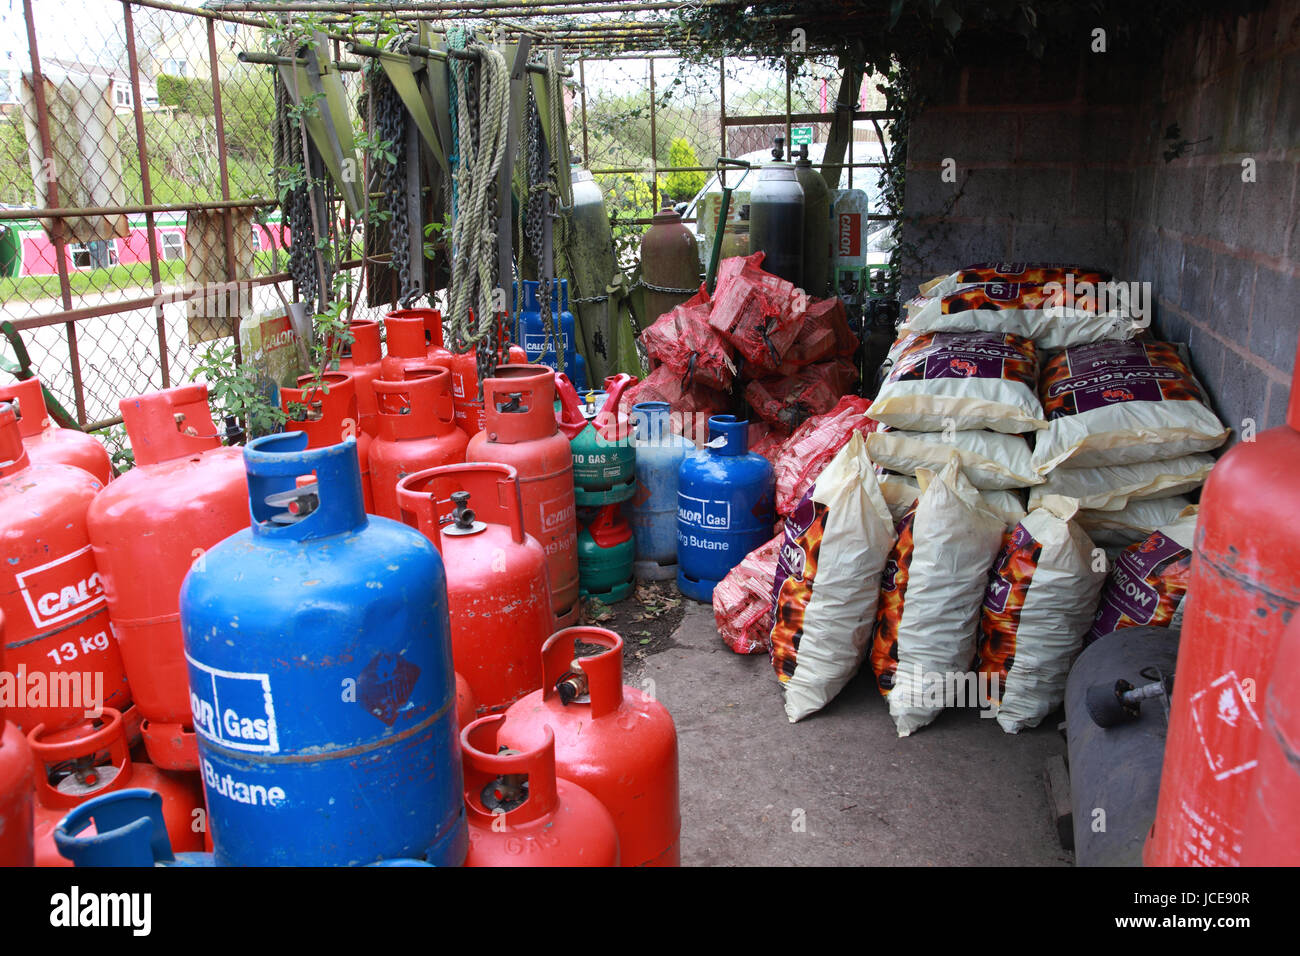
(146,190)
(654,142)
(52,195)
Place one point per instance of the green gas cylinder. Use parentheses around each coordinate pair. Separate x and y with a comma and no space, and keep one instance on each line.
(604,459)
(606,551)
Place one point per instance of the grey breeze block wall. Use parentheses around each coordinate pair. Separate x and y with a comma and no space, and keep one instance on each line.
(1063,160)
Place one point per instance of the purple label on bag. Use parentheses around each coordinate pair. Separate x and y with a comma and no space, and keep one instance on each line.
(1129,591)
(790,557)
(1111,373)
(969,357)
(999,586)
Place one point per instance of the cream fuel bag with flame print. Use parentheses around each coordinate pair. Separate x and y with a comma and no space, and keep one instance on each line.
(827,581)
(1122,403)
(990,460)
(1111,487)
(930,595)
(1056,305)
(1030,273)
(1041,597)
(961,380)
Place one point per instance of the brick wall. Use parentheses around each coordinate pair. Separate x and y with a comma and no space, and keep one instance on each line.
(1042,167)
(1063,160)
(1222,253)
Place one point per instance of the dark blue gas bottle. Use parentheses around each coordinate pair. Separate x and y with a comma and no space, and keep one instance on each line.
(320,671)
(129,830)
(530,331)
(724,507)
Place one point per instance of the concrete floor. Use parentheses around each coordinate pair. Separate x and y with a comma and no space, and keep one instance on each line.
(959,792)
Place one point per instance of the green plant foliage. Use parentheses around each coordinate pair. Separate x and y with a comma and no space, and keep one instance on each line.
(13,156)
(189,95)
(682,185)
(236,390)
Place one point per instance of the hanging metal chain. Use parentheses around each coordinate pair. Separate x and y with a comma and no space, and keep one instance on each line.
(296,203)
(390,126)
(537,208)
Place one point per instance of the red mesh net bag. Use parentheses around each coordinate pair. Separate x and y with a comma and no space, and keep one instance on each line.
(813,445)
(766,440)
(742,601)
(825,335)
(812,390)
(687,404)
(683,340)
(759,313)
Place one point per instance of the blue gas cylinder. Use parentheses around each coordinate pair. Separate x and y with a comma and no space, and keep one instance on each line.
(129,830)
(652,511)
(320,672)
(530,332)
(724,507)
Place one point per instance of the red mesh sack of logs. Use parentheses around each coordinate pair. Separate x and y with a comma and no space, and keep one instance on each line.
(665,385)
(812,390)
(825,335)
(759,314)
(767,440)
(742,601)
(683,340)
(813,445)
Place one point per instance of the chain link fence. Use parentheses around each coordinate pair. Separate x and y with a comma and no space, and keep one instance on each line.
(149,144)
(137,176)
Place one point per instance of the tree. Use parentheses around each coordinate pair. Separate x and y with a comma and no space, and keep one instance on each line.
(682,185)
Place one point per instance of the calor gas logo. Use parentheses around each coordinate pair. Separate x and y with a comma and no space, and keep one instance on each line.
(556,513)
(704,512)
(849,233)
(62,589)
(233,708)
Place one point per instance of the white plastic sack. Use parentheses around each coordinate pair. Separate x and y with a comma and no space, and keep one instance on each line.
(901,493)
(1119,403)
(1111,487)
(828,580)
(961,380)
(1132,523)
(1039,603)
(988,459)
(1048,314)
(930,596)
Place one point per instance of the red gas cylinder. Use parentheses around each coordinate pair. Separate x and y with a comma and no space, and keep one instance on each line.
(498,595)
(464,387)
(1272,828)
(521,814)
(417,430)
(520,430)
(99,762)
(15,787)
(186,493)
(1243,590)
(615,741)
(58,644)
(328,415)
(414,341)
(16,809)
(363,365)
(466,704)
(46,442)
